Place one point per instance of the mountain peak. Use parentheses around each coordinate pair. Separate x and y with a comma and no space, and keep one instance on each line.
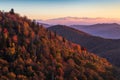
(112,24)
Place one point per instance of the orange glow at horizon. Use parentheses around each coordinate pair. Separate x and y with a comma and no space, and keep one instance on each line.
(73,8)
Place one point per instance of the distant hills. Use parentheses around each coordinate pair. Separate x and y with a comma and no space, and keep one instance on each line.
(102,27)
(28,51)
(107,48)
(106,30)
(79,21)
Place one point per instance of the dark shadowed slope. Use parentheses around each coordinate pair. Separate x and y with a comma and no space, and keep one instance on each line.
(107,48)
(31,52)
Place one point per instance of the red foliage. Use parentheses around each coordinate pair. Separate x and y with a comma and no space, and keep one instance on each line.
(83,48)
(15,38)
(23,50)
(5,30)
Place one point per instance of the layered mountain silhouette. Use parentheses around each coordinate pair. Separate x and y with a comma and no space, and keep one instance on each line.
(106,48)
(30,52)
(105,30)
(79,20)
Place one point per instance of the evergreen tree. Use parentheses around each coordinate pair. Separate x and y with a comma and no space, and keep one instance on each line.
(12,11)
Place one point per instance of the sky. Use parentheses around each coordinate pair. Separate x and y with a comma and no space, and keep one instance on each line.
(48,9)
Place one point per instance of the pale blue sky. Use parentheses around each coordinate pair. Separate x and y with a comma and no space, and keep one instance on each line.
(46,9)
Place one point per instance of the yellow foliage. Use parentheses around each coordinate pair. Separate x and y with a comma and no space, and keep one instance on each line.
(5,35)
(28,61)
(26,25)
(11,50)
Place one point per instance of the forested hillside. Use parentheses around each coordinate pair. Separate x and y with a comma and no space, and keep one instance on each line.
(107,48)
(30,52)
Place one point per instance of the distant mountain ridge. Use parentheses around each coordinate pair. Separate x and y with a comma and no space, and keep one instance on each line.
(105,30)
(80,21)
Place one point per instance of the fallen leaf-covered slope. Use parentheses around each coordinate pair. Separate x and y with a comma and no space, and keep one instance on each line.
(30,52)
(106,48)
